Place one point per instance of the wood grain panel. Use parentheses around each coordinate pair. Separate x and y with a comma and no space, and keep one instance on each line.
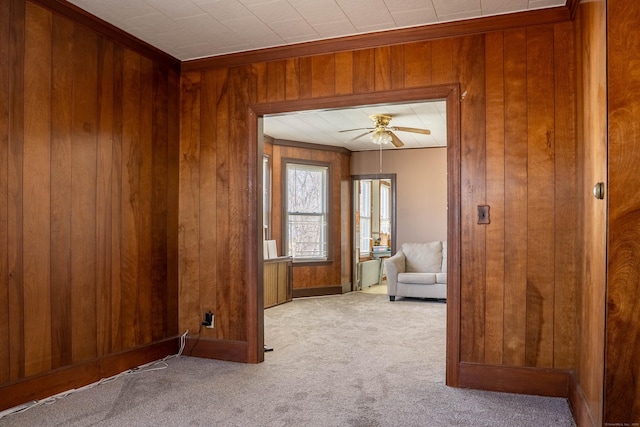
(83,195)
(37,204)
(292,82)
(471,75)
(144,214)
(566,201)
(130,214)
(223,136)
(515,215)
(417,66)
(622,359)
(441,61)
(397,66)
(116,199)
(306,77)
(363,71)
(16,71)
(344,73)
(541,178)
(494,307)
(323,75)
(382,59)
(276,79)
(189,308)
(208,186)
(5,31)
(104,208)
(260,75)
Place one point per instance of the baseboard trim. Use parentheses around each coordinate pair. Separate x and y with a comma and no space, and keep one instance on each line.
(232,351)
(70,377)
(513,379)
(317,292)
(578,402)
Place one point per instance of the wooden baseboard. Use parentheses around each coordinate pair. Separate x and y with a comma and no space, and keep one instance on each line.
(579,406)
(317,292)
(233,351)
(512,379)
(76,376)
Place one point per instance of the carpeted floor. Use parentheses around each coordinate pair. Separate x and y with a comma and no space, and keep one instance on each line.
(348,360)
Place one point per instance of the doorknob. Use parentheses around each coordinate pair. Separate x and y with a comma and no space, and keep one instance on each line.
(598,190)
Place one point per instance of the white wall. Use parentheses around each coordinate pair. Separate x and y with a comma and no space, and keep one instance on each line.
(421,189)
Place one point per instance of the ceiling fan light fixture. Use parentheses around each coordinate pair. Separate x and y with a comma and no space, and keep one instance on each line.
(380,136)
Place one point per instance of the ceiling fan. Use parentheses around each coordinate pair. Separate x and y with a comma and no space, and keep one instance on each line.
(382,133)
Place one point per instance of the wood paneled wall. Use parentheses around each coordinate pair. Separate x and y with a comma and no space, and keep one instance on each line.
(88,196)
(622,367)
(326,275)
(590,26)
(518,155)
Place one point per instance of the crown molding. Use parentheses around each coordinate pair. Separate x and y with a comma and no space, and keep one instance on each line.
(386,38)
(84,18)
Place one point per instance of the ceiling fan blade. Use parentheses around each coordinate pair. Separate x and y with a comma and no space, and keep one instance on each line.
(414,130)
(395,140)
(350,130)
(360,136)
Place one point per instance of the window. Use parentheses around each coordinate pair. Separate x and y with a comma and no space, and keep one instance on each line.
(385,208)
(266,197)
(365,217)
(306,211)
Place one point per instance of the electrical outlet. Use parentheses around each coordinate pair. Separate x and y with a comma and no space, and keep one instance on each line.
(208,320)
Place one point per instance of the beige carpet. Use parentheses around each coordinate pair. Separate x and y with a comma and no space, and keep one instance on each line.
(347,360)
(376,289)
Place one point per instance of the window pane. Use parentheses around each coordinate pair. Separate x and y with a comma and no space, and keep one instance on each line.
(306,215)
(365,217)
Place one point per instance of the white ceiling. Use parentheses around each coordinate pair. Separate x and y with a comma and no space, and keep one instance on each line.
(324,126)
(190,29)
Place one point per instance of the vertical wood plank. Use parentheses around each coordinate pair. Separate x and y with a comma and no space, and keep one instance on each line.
(61,122)
(397,66)
(145,207)
(15,189)
(363,71)
(292,73)
(173,201)
(306,77)
(5,31)
(83,195)
(37,204)
(208,190)
(276,81)
(382,76)
(494,61)
(222,167)
(344,73)
(622,361)
(130,200)
(417,68)
(103,197)
(323,73)
(541,178)
(188,316)
(471,74)
(566,202)
(515,93)
(116,199)
(441,61)
(260,72)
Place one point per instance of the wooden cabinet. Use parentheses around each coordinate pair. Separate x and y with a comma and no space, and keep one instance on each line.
(278,286)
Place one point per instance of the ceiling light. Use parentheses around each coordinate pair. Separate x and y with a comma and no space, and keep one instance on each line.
(380,136)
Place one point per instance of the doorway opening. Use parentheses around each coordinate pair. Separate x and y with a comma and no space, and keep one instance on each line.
(449,93)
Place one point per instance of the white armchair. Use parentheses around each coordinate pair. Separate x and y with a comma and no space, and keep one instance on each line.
(418,270)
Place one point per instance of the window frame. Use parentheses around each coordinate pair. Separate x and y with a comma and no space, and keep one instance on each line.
(286,161)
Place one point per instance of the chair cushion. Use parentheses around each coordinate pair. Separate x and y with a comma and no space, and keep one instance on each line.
(444,256)
(423,257)
(417,278)
(441,277)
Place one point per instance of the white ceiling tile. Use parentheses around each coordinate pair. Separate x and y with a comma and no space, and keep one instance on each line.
(297,28)
(127,8)
(176,10)
(395,6)
(414,17)
(455,7)
(277,11)
(335,29)
(497,7)
(319,11)
(536,4)
(224,10)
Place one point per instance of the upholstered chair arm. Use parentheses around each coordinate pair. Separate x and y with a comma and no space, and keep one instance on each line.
(393,266)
